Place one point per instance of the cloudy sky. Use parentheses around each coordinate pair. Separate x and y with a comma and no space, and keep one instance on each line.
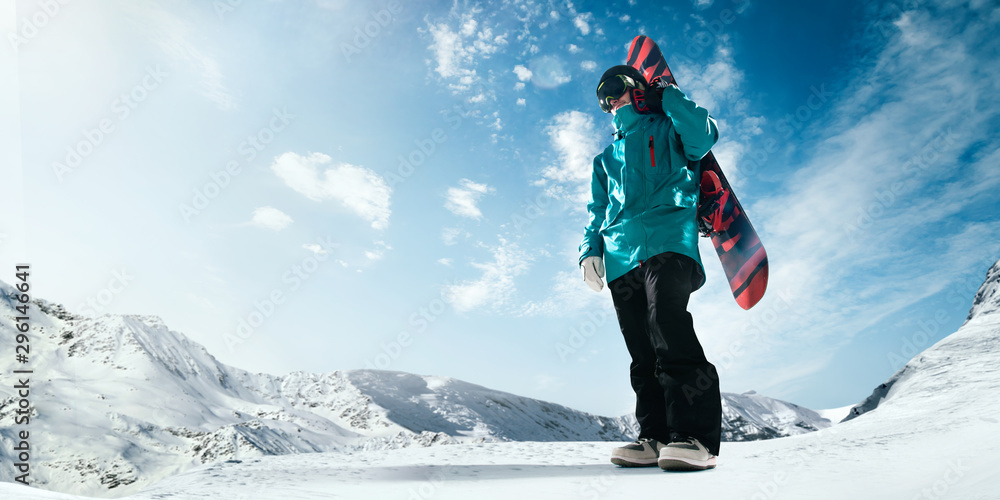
(333,185)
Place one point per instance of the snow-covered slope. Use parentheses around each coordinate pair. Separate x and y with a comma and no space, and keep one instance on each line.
(155,404)
(933,435)
(967,357)
(751,416)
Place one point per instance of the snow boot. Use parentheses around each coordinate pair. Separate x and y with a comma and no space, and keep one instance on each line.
(642,453)
(685,454)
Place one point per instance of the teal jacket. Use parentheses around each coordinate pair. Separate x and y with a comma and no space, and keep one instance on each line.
(643,195)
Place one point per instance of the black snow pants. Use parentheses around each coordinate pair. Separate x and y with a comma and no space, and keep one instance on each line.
(676,388)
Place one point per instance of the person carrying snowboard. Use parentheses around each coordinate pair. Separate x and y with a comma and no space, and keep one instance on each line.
(643,231)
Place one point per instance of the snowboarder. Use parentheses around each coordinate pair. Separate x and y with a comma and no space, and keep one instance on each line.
(643,231)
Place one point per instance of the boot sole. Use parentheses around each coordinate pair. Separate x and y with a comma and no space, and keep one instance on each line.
(626,462)
(685,464)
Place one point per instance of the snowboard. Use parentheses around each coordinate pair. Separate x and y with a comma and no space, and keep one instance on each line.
(722,217)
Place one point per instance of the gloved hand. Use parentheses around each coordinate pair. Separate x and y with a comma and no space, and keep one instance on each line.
(593,271)
(660,84)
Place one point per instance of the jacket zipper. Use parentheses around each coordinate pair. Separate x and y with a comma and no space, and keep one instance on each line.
(652,153)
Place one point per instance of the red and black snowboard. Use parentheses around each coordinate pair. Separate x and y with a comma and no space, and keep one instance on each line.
(721,215)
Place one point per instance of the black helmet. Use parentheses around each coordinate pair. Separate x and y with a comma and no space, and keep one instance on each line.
(620,79)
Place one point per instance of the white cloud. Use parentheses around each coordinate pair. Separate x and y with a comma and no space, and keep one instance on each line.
(521,101)
(549,71)
(519,86)
(358,189)
(569,294)
(588,65)
(896,163)
(573,49)
(270,218)
(456,50)
(448,52)
(495,287)
(625,18)
(445,261)
(178,38)
(717,82)
(575,139)
(315,248)
(582,22)
(450,235)
(378,252)
(469,27)
(523,74)
(703,4)
(462,201)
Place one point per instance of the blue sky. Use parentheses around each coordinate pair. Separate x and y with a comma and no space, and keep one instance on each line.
(334,185)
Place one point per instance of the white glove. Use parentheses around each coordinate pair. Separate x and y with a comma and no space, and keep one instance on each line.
(593,271)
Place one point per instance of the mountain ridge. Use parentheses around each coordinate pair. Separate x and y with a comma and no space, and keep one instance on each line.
(164,404)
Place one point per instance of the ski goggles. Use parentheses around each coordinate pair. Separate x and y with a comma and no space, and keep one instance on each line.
(613,88)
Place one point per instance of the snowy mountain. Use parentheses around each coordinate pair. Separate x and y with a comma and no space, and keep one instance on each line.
(154,404)
(987,300)
(975,348)
(932,434)
(750,417)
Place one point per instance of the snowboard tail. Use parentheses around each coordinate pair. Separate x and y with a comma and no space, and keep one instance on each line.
(740,250)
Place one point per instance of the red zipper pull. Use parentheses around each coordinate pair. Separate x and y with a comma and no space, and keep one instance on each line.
(652,154)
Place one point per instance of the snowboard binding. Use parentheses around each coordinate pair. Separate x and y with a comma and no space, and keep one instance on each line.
(712,206)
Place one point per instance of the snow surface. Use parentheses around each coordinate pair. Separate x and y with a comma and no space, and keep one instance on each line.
(835,415)
(151,404)
(932,434)
(929,432)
